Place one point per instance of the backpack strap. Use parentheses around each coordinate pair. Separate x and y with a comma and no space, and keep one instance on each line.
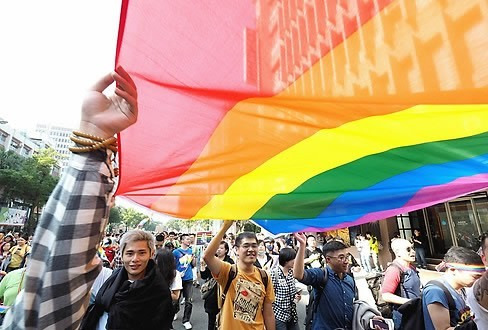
(450,300)
(230,278)
(264,278)
(402,281)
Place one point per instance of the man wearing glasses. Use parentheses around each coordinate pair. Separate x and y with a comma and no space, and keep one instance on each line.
(248,302)
(335,299)
(402,281)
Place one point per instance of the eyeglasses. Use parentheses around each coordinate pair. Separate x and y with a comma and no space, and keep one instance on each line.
(247,246)
(341,257)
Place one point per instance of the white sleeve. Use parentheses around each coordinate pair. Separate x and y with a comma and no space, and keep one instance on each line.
(177,283)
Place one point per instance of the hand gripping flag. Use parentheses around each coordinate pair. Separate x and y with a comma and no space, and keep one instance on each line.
(304,115)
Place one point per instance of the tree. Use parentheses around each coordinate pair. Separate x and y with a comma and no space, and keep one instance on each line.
(29,180)
(247,225)
(114,218)
(131,218)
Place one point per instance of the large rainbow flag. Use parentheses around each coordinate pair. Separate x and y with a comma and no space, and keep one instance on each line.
(304,115)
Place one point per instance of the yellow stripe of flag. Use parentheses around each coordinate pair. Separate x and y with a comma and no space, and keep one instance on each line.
(330,148)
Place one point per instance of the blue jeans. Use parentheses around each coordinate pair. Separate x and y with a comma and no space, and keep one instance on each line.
(420,257)
(188,295)
(290,325)
(397,319)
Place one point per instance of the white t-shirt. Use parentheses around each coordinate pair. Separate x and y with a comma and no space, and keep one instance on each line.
(480,313)
(101,278)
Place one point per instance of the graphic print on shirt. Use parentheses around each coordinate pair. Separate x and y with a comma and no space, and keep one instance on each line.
(247,300)
(464,315)
(185,260)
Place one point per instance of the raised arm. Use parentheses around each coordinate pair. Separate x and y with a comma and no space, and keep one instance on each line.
(298,268)
(63,258)
(213,263)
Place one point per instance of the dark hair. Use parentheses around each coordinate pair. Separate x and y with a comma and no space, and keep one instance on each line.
(169,246)
(246,234)
(24,236)
(333,246)
(172,233)
(183,236)
(226,246)
(462,255)
(166,265)
(308,236)
(159,237)
(286,254)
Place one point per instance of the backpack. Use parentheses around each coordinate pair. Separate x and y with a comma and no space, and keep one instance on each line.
(208,287)
(314,300)
(375,284)
(412,311)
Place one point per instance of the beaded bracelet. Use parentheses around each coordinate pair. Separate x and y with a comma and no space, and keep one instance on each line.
(90,142)
(87,143)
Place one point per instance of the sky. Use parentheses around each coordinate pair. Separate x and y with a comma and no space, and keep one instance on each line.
(51,52)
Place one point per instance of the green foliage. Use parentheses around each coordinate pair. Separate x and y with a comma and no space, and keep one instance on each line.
(247,225)
(27,179)
(131,218)
(179,225)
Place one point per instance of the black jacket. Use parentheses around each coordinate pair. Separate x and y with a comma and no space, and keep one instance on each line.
(141,304)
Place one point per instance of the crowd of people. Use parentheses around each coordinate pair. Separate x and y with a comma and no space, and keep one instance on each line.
(250,283)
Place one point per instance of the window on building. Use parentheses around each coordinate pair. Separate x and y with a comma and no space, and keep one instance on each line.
(404,225)
(3,137)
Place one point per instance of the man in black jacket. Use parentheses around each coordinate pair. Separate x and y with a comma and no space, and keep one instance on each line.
(135,296)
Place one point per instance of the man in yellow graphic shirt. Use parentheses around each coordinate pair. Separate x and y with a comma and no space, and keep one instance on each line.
(248,302)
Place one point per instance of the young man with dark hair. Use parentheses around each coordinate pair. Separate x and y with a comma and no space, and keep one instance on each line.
(248,302)
(477,295)
(463,268)
(185,261)
(335,308)
(159,241)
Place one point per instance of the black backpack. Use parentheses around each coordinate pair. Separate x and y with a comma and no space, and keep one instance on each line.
(412,311)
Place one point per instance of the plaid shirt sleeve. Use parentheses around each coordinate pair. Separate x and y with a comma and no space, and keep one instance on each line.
(63,263)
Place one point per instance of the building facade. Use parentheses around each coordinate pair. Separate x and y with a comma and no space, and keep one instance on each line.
(60,137)
(17,141)
(458,222)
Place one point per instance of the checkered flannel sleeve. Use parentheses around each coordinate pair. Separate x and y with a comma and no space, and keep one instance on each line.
(63,263)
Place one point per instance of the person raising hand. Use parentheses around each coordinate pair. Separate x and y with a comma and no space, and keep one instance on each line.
(63,258)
